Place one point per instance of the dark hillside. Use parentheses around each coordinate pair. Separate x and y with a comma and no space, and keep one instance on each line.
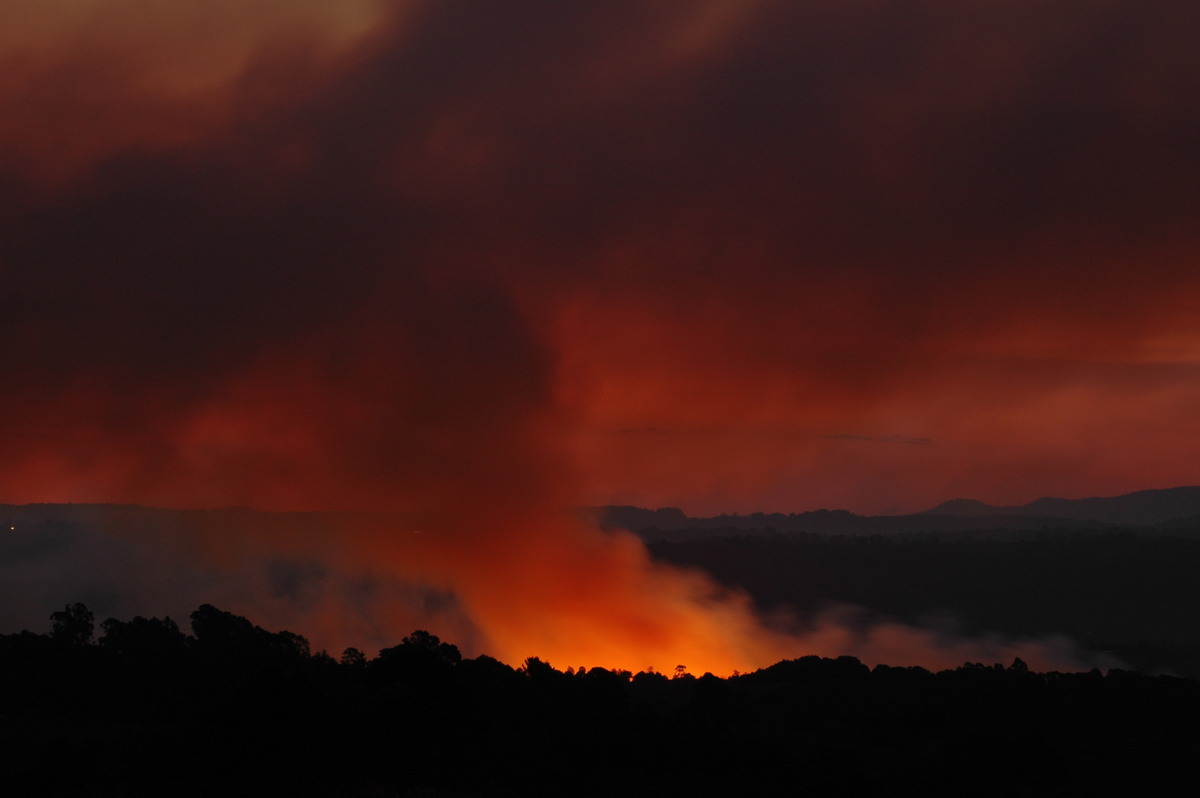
(1140,508)
(235,710)
(1132,594)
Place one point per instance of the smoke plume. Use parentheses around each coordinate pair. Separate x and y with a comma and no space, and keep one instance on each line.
(488,262)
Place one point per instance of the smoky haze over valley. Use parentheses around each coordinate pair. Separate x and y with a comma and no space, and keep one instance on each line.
(445,291)
(1089,581)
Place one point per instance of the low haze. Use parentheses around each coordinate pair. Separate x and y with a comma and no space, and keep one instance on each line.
(499,260)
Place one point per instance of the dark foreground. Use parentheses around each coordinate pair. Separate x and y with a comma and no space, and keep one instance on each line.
(235,710)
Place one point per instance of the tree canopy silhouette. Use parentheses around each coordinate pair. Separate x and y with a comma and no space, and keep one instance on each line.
(148,711)
(73,624)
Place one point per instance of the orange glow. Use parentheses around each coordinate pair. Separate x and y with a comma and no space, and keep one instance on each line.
(83,79)
(498,262)
(546,585)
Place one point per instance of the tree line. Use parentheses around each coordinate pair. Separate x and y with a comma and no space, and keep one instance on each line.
(145,708)
(1130,594)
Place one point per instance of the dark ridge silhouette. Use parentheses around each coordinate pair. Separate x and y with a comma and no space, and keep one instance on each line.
(1188,522)
(233,709)
(1123,591)
(966,508)
(1140,508)
(1167,508)
(1129,594)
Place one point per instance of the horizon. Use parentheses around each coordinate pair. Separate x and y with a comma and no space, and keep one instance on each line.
(418,510)
(497,260)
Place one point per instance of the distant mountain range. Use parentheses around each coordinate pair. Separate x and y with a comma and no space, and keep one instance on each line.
(1115,574)
(1170,511)
(1141,508)
(1167,509)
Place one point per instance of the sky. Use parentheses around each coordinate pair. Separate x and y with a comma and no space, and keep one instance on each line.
(729,257)
(493,260)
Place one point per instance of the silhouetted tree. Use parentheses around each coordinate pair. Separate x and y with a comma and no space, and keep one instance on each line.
(542,673)
(488,673)
(291,644)
(142,725)
(420,640)
(221,630)
(419,656)
(143,637)
(353,658)
(73,624)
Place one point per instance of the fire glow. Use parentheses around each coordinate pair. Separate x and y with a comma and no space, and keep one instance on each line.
(534,583)
(488,261)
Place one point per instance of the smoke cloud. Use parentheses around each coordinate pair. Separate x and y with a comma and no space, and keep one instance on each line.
(439,257)
(534,583)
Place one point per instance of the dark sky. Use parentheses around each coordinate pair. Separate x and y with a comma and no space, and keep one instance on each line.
(726,256)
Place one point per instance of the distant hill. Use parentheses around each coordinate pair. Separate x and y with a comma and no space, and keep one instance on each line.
(1140,508)
(1055,566)
(1168,509)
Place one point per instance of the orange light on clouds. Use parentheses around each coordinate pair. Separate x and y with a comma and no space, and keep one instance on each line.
(502,259)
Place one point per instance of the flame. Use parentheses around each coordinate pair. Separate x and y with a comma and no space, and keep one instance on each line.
(293,256)
(547,584)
